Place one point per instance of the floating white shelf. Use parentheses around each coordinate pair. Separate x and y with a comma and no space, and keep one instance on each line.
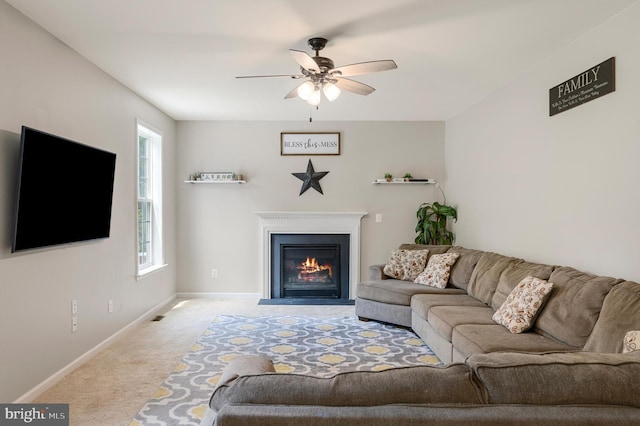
(215,181)
(422,182)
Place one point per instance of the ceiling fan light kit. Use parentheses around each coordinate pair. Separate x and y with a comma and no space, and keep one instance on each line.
(323,76)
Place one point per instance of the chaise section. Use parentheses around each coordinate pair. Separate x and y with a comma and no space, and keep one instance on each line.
(387,299)
(398,292)
(471,339)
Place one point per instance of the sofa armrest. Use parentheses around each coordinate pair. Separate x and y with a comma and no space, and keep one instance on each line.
(244,366)
(376,273)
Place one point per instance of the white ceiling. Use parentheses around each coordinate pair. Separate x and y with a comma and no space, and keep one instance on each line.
(183,55)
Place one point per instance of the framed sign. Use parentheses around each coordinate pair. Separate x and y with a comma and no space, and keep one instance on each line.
(591,84)
(317,143)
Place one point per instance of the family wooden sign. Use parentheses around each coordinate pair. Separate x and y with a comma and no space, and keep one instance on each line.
(591,84)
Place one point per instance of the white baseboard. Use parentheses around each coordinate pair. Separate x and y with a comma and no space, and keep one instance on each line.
(56,377)
(204,295)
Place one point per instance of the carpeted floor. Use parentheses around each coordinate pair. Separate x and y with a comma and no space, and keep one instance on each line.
(320,347)
(110,388)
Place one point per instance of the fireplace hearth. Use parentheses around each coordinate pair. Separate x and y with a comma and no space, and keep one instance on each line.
(310,266)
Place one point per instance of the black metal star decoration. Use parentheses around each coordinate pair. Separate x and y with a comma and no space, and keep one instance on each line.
(310,179)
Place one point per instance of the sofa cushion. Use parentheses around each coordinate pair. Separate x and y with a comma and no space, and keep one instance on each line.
(421,303)
(410,385)
(463,268)
(620,313)
(406,264)
(398,292)
(472,339)
(438,269)
(513,275)
(486,275)
(521,307)
(558,378)
(574,306)
(444,319)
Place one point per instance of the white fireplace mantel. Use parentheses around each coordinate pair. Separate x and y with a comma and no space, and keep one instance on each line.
(310,223)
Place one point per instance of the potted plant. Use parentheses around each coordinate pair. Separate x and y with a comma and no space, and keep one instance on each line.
(388,177)
(432,223)
(407,177)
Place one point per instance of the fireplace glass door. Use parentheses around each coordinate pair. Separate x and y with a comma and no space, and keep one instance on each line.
(310,265)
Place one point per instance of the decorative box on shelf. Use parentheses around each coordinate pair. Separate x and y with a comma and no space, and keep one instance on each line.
(215,177)
(405,181)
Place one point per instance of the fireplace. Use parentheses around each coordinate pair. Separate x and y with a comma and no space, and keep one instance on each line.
(347,223)
(310,266)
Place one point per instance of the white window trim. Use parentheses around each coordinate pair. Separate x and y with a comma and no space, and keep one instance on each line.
(157,262)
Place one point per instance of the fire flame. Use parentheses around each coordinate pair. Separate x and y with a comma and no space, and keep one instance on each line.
(311,265)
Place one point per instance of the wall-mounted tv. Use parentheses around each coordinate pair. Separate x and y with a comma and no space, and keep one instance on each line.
(65,191)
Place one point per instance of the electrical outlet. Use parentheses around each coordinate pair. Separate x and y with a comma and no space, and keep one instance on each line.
(378,217)
(74,307)
(214,273)
(110,306)
(74,324)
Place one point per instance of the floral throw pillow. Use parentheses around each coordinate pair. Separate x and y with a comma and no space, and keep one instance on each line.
(519,310)
(631,341)
(406,264)
(436,274)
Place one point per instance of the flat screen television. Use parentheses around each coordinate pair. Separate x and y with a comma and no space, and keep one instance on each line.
(65,191)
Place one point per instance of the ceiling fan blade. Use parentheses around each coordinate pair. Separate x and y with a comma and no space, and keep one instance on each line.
(304,60)
(294,93)
(364,68)
(353,86)
(270,76)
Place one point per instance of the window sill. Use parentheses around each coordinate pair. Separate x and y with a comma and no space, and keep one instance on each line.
(151,270)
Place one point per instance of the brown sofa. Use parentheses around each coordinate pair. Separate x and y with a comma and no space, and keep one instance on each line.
(568,369)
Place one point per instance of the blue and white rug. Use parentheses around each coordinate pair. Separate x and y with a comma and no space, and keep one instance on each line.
(319,347)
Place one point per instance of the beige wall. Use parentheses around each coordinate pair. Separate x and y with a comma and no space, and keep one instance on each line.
(45,85)
(216,224)
(562,189)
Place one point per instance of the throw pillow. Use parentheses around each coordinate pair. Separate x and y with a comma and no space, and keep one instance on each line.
(631,341)
(406,264)
(521,307)
(436,274)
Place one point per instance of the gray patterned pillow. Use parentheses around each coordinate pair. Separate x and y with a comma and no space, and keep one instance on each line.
(406,264)
(436,274)
(631,341)
(521,307)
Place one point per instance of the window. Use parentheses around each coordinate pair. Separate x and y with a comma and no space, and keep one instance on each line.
(149,189)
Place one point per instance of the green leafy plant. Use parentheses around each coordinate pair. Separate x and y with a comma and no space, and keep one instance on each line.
(432,223)
(388,177)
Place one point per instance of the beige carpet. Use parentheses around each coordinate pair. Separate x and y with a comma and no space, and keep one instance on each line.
(111,388)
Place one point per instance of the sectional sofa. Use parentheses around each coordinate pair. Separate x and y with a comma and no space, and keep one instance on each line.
(569,367)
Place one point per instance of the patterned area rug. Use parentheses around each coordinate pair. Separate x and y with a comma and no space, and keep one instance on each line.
(319,347)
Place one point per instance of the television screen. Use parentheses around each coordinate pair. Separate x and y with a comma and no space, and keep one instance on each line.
(65,190)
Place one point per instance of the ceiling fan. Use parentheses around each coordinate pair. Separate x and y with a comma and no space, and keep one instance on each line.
(321,74)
